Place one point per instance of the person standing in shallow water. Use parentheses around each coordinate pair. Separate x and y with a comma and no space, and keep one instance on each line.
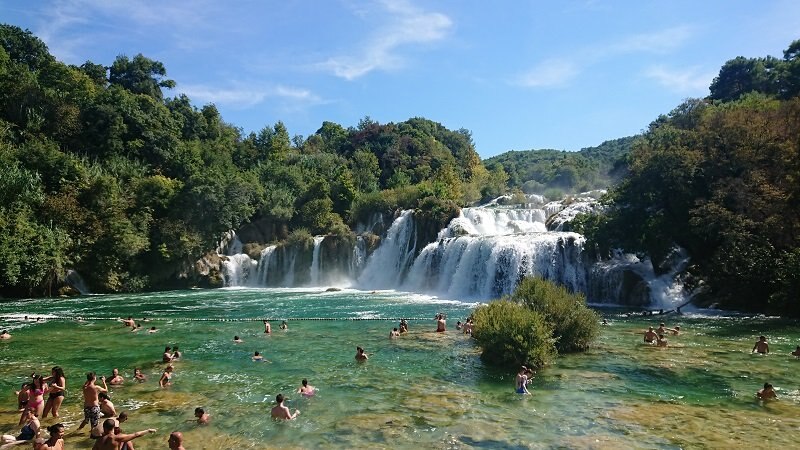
(767,393)
(761,346)
(280,411)
(360,355)
(441,325)
(522,381)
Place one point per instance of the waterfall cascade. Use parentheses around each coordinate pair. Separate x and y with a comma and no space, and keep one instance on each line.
(482,254)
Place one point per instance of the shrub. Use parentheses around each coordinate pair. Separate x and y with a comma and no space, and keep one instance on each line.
(512,334)
(575,326)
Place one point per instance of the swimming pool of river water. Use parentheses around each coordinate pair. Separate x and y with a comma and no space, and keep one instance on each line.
(422,390)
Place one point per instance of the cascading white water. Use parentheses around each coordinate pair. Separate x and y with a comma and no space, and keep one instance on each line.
(387,266)
(315,260)
(263,264)
(487,267)
(239,270)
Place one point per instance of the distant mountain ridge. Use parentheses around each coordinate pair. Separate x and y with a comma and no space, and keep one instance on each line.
(547,169)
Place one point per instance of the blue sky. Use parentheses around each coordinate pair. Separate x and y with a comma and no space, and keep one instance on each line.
(518,74)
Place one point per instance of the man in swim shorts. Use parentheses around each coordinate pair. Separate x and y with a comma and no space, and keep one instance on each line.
(440,324)
(650,336)
(91,400)
(761,345)
(282,412)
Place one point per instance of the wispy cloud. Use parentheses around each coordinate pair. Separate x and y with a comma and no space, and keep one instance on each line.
(550,73)
(690,81)
(407,25)
(558,72)
(244,96)
(661,41)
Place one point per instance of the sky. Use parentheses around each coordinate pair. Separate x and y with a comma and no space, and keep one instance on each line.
(518,74)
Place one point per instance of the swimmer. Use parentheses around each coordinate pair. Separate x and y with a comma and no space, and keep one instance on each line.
(469,326)
(5,335)
(56,440)
(761,346)
(394,333)
(57,390)
(440,324)
(129,322)
(284,326)
(768,393)
(267,328)
(306,390)
(403,326)
(458,325)
(116,378)
(111,441)
(91,400)
(176,354)
(650,337)
(202,416)
(121,418)
(237,340)
(676,331)
(166,377)
(175,441)
(152,330)
(257,356)
(106,407)
(282,412)
(167,356)
(605,321)
(138,375)
(796,352)
(522,381)
(360,355)
(662,341)
(662,328)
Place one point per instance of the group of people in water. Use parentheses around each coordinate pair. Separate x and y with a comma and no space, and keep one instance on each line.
(656,337)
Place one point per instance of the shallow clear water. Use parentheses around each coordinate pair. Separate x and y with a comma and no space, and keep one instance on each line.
(424,390)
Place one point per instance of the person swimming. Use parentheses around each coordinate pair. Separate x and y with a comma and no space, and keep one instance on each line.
(306,390)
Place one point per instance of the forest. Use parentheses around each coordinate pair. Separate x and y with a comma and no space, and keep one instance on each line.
(104,174)
(720,177)
(101,173)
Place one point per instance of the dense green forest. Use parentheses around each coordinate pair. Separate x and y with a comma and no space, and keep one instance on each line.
(556,172)
(721,178)
(102,173)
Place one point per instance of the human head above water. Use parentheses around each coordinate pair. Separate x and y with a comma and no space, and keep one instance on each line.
(279,398)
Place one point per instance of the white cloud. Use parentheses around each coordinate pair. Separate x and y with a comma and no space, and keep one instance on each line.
(550,73)
(690,81)
(661,41)
(407,25)
(245,96)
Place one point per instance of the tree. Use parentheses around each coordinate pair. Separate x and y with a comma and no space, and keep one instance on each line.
(140,75)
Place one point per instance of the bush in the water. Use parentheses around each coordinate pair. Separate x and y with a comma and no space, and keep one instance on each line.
(511,334)
(575,326)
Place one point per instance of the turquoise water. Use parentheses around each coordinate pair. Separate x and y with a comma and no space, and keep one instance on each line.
(423,390)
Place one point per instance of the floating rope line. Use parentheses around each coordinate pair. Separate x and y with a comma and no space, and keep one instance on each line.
(32,318)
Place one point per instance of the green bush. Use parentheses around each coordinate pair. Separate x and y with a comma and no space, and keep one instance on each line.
(512,334)
(575,326)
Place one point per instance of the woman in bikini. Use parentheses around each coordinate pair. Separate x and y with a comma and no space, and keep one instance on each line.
(58,387)
(38,388)
(166,377)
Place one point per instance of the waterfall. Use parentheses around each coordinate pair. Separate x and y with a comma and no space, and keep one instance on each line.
(75,280)
(315,260)
(263,264)
(239,270)
(387,266)
(481,254)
